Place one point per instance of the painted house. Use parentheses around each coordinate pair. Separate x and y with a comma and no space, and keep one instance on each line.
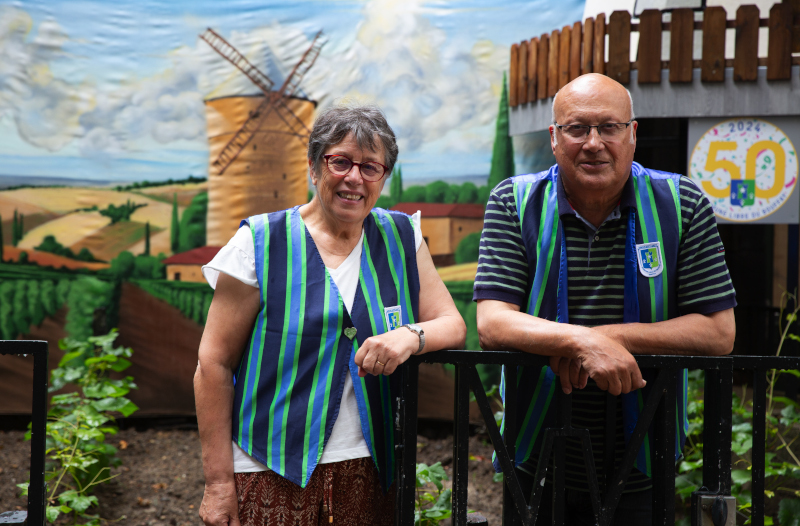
(186,265)
(444,226)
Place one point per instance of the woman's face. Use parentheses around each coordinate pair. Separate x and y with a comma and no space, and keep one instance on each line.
(348,198)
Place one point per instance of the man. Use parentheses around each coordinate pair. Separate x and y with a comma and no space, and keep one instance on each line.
(591,262)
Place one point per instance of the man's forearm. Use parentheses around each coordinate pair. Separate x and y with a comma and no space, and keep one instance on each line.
(692,334)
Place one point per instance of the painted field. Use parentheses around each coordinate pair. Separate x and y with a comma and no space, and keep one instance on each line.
(67,229)
(30,221)
(185,192)
(109,241)
(46,259)
(464,272)
(8,204)
(159,243)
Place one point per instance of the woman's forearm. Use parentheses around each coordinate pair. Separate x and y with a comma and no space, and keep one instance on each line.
(213,392)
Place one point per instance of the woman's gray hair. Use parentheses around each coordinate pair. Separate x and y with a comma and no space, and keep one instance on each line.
(364,122)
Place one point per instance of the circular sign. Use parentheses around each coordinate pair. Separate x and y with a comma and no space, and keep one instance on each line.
(746,167)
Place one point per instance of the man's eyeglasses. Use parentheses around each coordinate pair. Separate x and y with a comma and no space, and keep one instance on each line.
(609,131)
(340,166)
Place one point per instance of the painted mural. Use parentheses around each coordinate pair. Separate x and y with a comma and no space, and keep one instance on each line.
(135,135)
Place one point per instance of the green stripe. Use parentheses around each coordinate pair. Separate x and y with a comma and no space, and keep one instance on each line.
(521,206)
(664,273)
(301,318)
(287,310)
(315,381)
(402,251)
(552,246)
(377,291)
(645,239)
(676,197)
(363,385)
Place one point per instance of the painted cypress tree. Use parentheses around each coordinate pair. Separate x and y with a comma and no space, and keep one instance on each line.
(503,149)
(173,237)
(14,228)
(1,240)
(396,187)
(147,238)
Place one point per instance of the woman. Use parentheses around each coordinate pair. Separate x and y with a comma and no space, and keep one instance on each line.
(315,307)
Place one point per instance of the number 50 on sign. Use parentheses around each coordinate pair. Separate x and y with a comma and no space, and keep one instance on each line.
(746,167)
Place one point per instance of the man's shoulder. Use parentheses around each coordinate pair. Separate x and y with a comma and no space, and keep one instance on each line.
(549,174)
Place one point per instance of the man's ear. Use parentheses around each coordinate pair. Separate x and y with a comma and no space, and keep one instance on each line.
(553,140)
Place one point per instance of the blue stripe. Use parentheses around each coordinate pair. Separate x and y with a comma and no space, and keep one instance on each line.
(631,304)
(366,274)
(397,260)
(255,344)
(540,277)
(538,409)
(652,234)
(387,423)
(292,334)
(562,315)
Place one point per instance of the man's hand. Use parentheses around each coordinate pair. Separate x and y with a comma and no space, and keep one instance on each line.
(220,507)
(570,372)
(608,363)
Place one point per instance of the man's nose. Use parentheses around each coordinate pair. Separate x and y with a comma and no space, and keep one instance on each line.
(593,140)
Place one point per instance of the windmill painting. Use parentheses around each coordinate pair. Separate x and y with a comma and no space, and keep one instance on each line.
(256,144)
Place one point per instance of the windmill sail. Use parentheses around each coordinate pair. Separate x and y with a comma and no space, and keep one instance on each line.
(232,55)
(273,100)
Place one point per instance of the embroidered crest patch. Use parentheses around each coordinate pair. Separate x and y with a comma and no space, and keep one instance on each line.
(650,261)
(394,318)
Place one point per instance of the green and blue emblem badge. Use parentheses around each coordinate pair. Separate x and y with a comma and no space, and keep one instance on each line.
(394,317)
(651,264)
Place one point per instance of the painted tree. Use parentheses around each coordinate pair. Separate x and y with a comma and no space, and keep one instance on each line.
(14,228)
(1,240)
(503,150)
(396,186)
(147,238)
(173,233)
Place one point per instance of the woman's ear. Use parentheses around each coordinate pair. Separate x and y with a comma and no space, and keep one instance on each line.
(311,172)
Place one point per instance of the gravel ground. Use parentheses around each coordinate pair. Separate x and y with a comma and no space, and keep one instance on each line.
(160,481)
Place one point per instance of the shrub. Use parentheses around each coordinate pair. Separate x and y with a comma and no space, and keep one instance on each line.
(468,249)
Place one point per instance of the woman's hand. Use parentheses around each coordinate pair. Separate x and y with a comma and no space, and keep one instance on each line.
(382,354)
(220,507)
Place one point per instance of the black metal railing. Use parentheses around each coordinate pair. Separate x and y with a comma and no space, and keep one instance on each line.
(36,489)
(659,409)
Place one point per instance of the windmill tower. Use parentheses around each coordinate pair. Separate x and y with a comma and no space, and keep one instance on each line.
(257,145)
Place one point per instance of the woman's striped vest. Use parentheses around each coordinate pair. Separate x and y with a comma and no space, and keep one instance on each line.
(656,218)
(289,384)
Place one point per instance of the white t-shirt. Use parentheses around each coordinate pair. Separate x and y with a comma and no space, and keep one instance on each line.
(237,259)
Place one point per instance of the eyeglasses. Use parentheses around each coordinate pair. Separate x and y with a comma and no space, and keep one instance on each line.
(609,131)
(340,166)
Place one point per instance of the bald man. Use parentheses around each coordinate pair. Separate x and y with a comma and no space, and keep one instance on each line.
(589,263)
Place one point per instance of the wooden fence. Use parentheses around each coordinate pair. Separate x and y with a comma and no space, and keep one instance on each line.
(542,65)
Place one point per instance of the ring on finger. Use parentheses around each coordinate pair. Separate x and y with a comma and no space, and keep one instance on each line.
(380,362)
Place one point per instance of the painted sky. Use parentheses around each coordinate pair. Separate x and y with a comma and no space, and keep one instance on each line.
(114,91)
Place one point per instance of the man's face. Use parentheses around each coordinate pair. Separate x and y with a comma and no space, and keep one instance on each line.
(599,165)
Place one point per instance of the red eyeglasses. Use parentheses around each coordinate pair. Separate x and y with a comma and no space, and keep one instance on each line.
(341,165)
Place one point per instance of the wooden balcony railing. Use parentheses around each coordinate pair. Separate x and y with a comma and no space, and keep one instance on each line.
(542,65)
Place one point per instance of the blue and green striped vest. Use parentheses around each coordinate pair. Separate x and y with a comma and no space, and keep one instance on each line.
(289,384)
(656,218)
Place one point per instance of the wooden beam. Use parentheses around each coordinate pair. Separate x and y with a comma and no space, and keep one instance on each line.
(513,75)
(745,58)
(522,85)
(649,52)
(588,46)
(795,4)
(600,44)
(541,70)
(552,64)
(713,61)
(533,55)
(619,46)
(779,52)
(681,45)
(575,51)
(565,44)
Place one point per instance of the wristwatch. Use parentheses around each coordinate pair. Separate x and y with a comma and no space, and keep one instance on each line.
(413,327)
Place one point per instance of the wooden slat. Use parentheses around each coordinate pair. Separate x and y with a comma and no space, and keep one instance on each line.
(649,53)
(565,44)
(575,51)
(588,46)
(619,46)
(795,24)
(522,85)
(745,58)
(713,62)
(541,66)
(552,64)
(513,75)
(681,45)
(533,55)
(600,44)
(779,52)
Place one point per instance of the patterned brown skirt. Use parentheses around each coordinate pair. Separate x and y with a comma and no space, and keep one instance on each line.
(344,493)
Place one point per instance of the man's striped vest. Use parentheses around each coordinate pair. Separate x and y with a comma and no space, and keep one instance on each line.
(289,384)
(656,218)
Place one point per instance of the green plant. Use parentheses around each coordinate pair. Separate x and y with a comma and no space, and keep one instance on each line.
(77,457)
(431,505)
(782,467)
